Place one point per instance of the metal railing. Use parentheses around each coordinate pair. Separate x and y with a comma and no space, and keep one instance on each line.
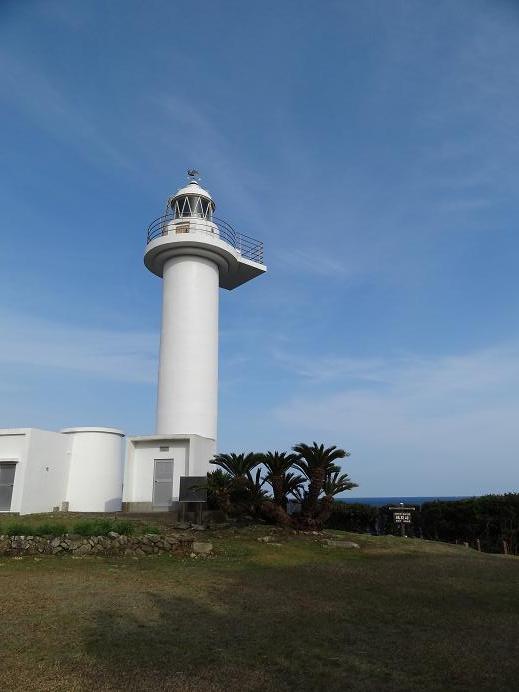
(248,247)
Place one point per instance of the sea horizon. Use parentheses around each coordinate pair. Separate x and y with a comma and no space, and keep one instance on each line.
(397,499)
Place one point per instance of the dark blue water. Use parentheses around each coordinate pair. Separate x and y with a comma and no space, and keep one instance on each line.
(414,501)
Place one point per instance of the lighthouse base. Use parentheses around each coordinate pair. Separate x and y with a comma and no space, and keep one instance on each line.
(154,466)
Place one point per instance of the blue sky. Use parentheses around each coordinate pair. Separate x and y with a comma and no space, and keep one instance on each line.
(373,146)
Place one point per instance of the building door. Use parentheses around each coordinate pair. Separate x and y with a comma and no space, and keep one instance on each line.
(7,470)
(163,483)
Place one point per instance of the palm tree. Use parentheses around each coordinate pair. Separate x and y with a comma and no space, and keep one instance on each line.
(237,465)
(245,492)
(316,462)
(219,487)
(335,484)
(277,465)
(293,484)
(255,492)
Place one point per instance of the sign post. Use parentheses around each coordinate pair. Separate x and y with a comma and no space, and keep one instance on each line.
(402,516)
(193,489)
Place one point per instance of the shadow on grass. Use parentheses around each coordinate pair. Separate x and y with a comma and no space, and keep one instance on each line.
(309,628)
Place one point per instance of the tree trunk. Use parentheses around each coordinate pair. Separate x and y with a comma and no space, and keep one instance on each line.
(277,489)
(223,502)
(271,511)
(325,508)
(314,490)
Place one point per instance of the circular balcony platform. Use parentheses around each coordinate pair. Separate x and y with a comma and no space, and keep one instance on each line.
(239,257)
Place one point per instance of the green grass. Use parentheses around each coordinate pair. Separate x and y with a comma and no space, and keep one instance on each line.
(41,525)
(396,615)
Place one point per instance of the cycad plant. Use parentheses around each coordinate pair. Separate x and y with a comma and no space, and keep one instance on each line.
(255,494)
(337,482)
(237,485)
(237,465)
(334,483)
(316,462)
(245,490)
(277,465)
(219,488)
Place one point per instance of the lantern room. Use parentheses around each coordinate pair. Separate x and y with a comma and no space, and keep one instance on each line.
(192,201)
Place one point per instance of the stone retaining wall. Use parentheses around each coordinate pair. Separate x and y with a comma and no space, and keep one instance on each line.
(110,545)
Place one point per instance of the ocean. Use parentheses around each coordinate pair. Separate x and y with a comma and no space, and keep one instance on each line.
(413,501)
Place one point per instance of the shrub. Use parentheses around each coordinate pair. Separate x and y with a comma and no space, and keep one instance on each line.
(149,528)
(49,528)
(19,528)
(101,527)
(125,527)
(92,527)
(490,518)
(353,517)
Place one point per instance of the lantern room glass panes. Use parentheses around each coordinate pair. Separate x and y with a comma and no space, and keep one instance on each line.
(192,206)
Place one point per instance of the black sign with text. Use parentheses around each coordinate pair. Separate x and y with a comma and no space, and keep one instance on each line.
(193,489)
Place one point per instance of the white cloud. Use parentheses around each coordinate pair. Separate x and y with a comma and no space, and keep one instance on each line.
(117,355)
(446,425)
(315,262)
(332,368)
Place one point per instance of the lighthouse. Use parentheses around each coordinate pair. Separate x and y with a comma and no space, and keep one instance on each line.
(195,253)
(84,469)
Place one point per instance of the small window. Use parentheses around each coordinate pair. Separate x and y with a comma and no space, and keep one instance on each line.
(163,448)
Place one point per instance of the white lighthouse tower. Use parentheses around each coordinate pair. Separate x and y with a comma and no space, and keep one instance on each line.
(195,254)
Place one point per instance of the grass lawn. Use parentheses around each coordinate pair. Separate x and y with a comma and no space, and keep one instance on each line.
(397,615)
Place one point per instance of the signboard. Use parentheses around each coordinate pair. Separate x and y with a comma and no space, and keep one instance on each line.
(193,489)
(402,517)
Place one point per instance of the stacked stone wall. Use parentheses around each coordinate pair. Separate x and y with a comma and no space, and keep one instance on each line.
(113,544)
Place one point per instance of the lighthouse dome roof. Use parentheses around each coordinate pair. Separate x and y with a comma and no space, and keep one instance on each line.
(192,188)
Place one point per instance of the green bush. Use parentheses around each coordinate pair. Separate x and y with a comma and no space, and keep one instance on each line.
(101,527)
(149,528)
(352,517)
(83,527)
(490,518)
(125,527)
(21,528)
(49,528)
(92,527)
(18,528)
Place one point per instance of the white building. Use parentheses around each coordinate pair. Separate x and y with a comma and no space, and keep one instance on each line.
(79,469)
(86,469)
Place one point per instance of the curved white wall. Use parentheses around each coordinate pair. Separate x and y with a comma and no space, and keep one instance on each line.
(96,469)
(188,365)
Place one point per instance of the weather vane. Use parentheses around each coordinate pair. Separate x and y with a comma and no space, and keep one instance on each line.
(193,173)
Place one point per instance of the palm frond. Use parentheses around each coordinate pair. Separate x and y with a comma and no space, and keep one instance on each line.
(278,463)
(336,483)
(237,464)
(319,456)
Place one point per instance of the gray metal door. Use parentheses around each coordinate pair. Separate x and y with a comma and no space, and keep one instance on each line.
(163,482)
(7,471)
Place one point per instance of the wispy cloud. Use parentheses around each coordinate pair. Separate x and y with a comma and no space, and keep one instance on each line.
(201,142)
(446,421)
(113,355)
(332,368)
(407,373)
(315,262)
